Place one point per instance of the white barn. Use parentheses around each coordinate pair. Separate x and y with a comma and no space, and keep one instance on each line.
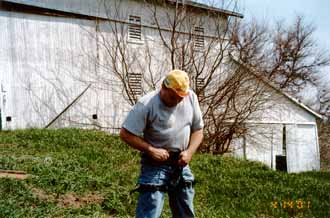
(48,57)
(283,135)
(48,70)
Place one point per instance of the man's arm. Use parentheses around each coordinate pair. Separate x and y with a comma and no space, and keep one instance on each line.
(195,140)
(138,143)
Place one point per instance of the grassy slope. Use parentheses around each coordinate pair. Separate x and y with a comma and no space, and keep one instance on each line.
(82,162)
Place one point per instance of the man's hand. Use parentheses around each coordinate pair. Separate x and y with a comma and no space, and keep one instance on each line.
(158,154)
(195,140)
(138,143)
(185,158)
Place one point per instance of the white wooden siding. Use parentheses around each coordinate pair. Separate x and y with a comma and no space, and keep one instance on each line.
(46,65)
(279,109)
(264,138)
(302,148)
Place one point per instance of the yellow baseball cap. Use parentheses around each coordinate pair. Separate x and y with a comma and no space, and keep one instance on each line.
(178,81)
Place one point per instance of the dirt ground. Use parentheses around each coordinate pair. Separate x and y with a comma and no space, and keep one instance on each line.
(71,200)
(13,174)
(67,200)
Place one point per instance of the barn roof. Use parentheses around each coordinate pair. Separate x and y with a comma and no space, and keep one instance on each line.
(93,10)
(273,86)
(293,99)
(209,8)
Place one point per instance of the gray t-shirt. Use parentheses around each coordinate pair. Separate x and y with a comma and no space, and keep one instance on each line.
(162,126)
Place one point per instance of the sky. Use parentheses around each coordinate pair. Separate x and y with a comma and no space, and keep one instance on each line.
(316,12)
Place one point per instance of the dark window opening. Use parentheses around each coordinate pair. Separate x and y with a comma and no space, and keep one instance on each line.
(284,141)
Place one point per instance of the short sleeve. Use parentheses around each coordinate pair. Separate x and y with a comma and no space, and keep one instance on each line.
(198,122)
(135,121)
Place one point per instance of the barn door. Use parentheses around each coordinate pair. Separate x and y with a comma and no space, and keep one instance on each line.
(302,148)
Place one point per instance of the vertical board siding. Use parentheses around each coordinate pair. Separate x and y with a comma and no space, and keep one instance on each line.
(45,63)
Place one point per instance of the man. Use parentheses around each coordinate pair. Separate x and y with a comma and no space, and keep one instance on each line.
(167,127)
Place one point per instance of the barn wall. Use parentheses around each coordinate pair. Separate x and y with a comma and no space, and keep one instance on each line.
(46,62)
(262,143)
(49,60)
(279,109)
(264,137)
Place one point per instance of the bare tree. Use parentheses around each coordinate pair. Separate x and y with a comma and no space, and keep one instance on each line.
(285,55)
(322,100)
(192,39)
(228,61)
(323,126)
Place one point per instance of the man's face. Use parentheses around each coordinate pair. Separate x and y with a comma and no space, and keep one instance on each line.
(169,97)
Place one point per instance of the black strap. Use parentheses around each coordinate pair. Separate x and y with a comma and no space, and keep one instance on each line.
(176,178)
(163,188)
(150,188)
(171,161)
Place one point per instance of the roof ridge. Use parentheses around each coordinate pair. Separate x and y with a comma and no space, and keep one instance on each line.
(273,86)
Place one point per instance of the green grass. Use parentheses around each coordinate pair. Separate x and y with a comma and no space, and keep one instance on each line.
(80,163)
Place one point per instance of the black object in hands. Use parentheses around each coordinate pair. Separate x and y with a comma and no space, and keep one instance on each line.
(174,155)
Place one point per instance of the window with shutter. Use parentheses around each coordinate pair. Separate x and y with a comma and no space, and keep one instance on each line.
(199,38)
(134,28)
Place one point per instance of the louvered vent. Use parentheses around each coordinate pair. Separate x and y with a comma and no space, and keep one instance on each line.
(199,38)
(134,28)
(135,83)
